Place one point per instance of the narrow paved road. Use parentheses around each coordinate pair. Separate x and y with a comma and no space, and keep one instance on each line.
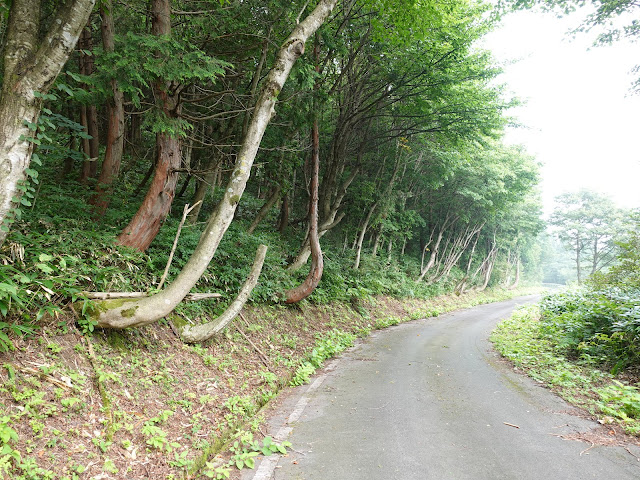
(430,400)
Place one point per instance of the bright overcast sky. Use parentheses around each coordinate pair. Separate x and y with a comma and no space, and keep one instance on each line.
(584,125)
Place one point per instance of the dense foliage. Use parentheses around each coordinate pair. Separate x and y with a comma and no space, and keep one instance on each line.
(595,325)
(600,323)
(417,194)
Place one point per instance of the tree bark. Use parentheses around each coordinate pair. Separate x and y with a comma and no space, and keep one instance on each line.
(89,113)
(146,223)
(264,210)
(200,333)
(30,68)
(330,222)
(307,287)
(115,127)
(145,311)
(363,231)
(283,221)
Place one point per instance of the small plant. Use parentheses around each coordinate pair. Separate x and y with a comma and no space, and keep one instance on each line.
(245,449)
(623,402)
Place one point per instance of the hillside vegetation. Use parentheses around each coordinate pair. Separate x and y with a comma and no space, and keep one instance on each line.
(359,142)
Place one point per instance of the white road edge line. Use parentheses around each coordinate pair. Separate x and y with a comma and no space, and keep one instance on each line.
(268,464)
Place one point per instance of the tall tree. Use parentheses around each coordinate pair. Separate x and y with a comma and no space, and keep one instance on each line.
(146,223)
(148,310)
(115,119)
(32,61)
(587,222)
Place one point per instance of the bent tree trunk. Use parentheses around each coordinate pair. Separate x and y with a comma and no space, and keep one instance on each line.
(200,333)
(30,68)
(264,210)
(307,287)
(123,314)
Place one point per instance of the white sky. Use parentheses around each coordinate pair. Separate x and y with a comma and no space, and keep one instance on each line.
(584,125)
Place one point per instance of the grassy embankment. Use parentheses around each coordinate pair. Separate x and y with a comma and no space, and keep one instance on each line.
(564,350)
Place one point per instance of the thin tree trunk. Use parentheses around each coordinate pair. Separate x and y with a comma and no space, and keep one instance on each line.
(202,189)
(30,66)
(264,210)
(330,222)
(305,289)
(283,222)
(89,113)
(578,266)
(200,333)
(113,314)
(115,118)
(516,282)
(376,242)
(363,231)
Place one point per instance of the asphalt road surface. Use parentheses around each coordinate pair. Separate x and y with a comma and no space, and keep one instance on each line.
(429,399)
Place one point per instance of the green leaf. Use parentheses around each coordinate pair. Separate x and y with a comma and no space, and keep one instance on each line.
(11,289)
(45,257)
(44,267)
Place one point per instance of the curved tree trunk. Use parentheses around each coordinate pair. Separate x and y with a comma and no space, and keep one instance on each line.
(30,66)
(146,223)
(115,117)
(330,222)
(119,314)
(200,333)
(363,231)
(305,289)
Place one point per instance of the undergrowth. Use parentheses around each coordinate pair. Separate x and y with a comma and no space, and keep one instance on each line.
(540,351)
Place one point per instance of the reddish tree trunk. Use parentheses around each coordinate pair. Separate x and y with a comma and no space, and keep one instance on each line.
(115,117)
(155,207)
(307,287)
(146,223)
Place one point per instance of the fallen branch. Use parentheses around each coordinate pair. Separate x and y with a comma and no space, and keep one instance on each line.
(110,295)
(262,356)
(200,333)
(511,425)
(186,212)
(40,374)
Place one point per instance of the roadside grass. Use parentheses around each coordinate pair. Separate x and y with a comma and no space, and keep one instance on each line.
(613,399)
(141,404)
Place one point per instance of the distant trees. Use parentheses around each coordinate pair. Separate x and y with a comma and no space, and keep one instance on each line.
(588,223)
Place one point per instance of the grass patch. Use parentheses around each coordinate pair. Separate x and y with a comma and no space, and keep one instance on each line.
(522,340)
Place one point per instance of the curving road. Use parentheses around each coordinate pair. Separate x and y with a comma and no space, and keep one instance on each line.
(430,400)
